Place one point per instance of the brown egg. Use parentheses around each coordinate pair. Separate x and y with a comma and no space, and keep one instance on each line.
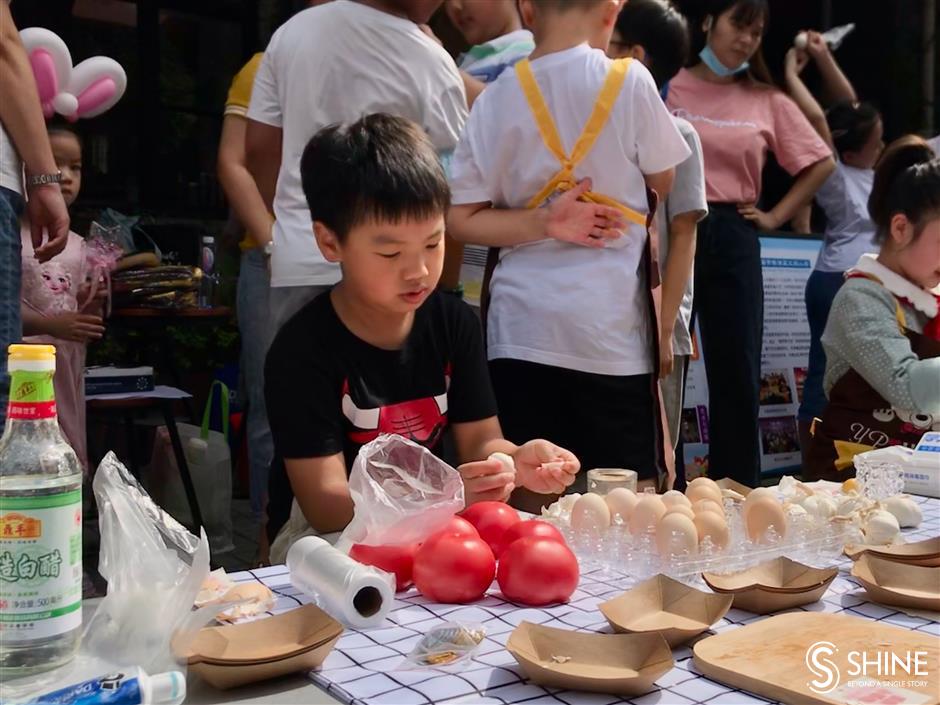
(674,497)
(708,523)
(647,513)
(680,509)
(621,501)
(703,488)
(708,505)
(676,534)
(763,513)
(753,496)
(590,513)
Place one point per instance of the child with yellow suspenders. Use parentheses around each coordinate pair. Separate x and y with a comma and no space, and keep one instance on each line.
(571,327)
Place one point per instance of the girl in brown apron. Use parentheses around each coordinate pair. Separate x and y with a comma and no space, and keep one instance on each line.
(882,341)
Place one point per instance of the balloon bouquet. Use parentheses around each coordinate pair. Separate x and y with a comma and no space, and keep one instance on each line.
(84,91)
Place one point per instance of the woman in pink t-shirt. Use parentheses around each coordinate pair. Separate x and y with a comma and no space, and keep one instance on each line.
(739,119)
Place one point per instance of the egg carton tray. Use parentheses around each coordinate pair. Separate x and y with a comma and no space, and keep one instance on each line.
(808,540)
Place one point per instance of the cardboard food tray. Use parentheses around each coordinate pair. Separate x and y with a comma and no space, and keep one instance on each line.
(769,657)
(925,553)
(726,483)
(666,606)
(901,584)
(623,664)
(263,640)
(234,675)
(780,575)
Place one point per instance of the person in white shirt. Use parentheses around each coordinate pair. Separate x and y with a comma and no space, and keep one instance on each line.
(23,142)
(334,64)
(570,338)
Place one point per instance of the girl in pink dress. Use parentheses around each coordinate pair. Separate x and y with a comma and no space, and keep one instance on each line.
(60,304)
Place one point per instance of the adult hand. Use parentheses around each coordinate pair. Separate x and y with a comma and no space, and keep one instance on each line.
(666,357)
(47,212)
(795,61)
(486,481)
(77,327)
(545,468)
(762,220)
(583,223)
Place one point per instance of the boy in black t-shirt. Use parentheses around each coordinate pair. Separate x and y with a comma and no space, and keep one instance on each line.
(383,352)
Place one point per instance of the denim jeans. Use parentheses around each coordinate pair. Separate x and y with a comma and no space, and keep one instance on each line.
(254,324)
(821,289)
(11,327)
(288,300)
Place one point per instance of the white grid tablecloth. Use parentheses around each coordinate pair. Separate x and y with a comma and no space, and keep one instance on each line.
(361,670)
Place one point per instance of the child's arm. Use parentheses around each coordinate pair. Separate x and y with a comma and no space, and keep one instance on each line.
(836,86)
(322,491)
(863,330)
(541,466)
(565,218)
(794,63)
(77,327)
(679,263)
(661,182)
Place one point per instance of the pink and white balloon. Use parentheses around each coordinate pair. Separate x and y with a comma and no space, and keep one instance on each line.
(82,91)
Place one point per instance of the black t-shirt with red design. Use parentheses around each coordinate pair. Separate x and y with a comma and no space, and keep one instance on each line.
(328,391)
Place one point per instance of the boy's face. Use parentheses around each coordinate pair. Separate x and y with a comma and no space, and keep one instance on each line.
(480,21)
(390,266)
(67,153)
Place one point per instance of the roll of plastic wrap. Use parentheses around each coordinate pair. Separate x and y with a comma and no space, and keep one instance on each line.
(356,594)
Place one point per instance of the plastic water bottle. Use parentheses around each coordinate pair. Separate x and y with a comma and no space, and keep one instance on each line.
(40,523)
(207,264)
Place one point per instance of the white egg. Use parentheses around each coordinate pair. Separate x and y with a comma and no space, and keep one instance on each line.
(674,497)
(621,501)
(676,534)
(647,513)
(509,465)
(590,513)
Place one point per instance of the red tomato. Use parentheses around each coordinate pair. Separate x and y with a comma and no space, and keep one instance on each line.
(491,520)
(459,527)
(397,560)
(453,568)
(532,527)
(537,571)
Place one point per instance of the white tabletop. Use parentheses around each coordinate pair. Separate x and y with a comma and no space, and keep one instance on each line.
(361,670)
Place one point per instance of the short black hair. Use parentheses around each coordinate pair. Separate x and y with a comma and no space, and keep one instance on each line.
(59,125)
(379,169)
(565,5)
(851,124)
(661,30)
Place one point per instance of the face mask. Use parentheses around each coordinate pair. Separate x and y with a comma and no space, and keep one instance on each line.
(711,61)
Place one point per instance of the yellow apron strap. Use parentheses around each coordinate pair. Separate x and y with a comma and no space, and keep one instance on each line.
(603,107)
(564,178)
(543,118)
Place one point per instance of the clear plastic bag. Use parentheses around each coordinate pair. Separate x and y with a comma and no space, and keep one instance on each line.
(445,648)
(402,493)
(154,568)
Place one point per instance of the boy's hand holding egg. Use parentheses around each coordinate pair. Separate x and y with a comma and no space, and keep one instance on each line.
(544,467)
(489,480)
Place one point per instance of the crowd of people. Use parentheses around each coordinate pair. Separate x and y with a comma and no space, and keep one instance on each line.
(605,159)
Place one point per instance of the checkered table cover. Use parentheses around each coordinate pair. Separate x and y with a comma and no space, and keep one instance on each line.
(361,670)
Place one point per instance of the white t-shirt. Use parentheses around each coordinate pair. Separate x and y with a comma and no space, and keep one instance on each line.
(687,196)
(935,144)
(551,302)
(11,168)
(850,232)
(334,64)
